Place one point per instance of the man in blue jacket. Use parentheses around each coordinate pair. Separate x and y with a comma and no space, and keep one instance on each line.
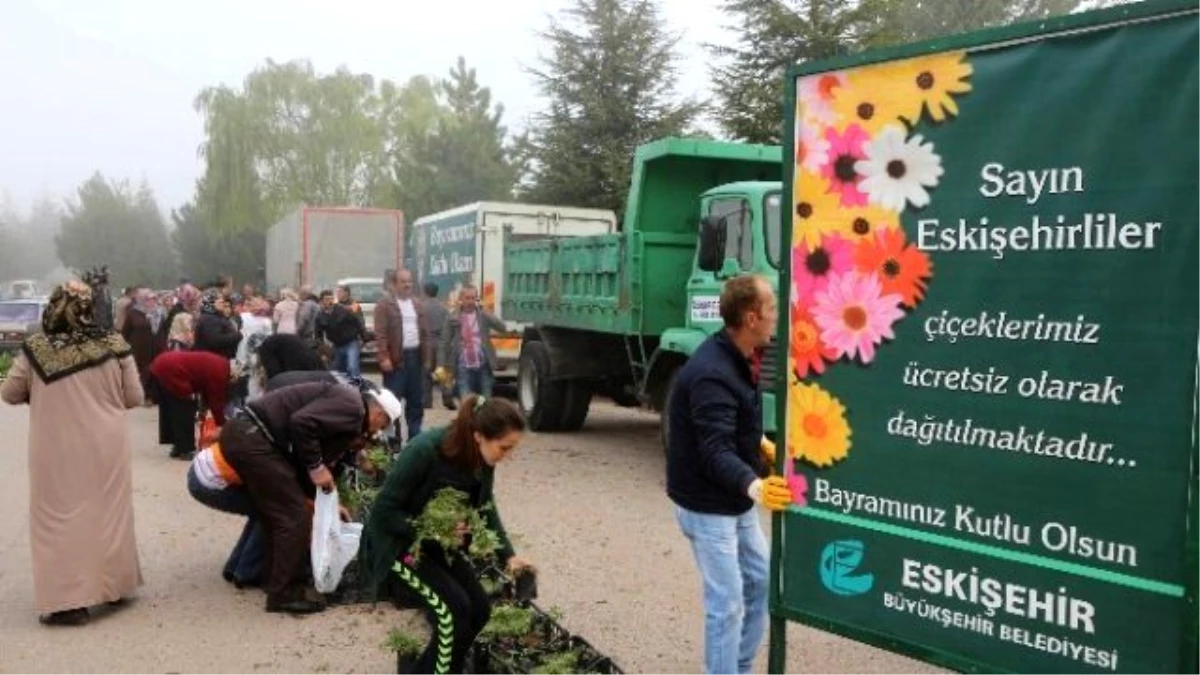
(717,469)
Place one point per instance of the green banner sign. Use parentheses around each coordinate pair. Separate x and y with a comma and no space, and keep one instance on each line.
(992,334)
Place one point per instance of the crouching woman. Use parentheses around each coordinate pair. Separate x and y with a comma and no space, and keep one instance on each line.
(462,456)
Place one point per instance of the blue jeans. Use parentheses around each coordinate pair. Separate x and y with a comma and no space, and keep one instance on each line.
(473,381)
(347,359)
(407,382)
(245,562)
(732,555)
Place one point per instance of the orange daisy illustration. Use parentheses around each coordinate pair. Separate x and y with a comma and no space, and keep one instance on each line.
(902,268)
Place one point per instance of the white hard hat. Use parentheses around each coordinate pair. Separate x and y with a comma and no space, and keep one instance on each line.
(390,404)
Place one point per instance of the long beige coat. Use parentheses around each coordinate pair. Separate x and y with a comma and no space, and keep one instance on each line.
(80,482)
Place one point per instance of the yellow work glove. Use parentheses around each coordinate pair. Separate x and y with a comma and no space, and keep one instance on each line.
(772,492)
(767,447)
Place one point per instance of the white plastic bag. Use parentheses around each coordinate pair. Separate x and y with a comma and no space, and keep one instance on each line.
(334,543)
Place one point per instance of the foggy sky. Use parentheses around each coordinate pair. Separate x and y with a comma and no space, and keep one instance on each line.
(108,84)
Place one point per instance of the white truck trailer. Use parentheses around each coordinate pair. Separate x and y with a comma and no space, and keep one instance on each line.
(317,246)
(466,245)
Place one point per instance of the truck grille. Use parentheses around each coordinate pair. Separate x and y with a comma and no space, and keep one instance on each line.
(768,371)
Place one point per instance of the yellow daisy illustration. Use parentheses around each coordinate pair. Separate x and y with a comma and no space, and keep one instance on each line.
(857,223)
(929,82)
(816,209)
(817,429)
(871,98)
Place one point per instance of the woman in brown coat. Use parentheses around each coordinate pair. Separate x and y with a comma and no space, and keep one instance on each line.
(78,379)
(138,330)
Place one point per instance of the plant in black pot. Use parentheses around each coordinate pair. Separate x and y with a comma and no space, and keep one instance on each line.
(407,647)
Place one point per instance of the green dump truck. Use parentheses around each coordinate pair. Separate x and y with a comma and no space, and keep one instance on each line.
(618,314)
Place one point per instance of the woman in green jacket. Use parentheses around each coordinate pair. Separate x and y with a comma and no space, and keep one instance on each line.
(462,456)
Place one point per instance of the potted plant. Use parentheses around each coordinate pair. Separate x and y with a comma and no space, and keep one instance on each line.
(407,647)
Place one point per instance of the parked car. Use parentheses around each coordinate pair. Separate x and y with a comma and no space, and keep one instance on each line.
(19,318)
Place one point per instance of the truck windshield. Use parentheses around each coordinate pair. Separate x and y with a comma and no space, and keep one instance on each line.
(772,229)
(739,238)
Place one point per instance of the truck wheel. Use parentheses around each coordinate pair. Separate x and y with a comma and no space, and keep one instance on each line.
(664,416)
(542,399)
(624,399)
(578,399)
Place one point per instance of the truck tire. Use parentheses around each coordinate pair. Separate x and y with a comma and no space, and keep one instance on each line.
(664,415)
(542,400)
(578,400)
(624,399)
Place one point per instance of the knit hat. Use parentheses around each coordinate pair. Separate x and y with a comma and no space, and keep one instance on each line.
(388,401)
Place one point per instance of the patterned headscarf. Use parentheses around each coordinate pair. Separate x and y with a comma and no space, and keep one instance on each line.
(70,340)
(208,302)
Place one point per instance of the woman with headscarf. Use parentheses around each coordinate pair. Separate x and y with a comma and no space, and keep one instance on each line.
(138,331)
(180,321)
(78,379)
(285,312)
(215,331)
(256,327)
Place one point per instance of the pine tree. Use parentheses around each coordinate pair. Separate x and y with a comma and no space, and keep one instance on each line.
(609,81)
(748,83)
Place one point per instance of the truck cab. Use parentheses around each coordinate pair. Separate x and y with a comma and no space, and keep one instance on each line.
(739,232)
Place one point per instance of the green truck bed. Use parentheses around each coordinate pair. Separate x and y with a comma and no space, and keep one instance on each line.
(634,282)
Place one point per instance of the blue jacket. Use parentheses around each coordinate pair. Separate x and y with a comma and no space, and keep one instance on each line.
(715,432)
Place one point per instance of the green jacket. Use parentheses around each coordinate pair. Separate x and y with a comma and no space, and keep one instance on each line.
(417,474)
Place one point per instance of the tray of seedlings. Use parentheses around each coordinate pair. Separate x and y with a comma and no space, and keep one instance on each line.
(520,637)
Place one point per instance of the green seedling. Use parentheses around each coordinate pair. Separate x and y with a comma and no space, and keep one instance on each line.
(561,662)
(402,643)
(438,523)
(6,361)
(508,621)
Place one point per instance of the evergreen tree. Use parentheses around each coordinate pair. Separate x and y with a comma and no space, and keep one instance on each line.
(609,81)
(748,81)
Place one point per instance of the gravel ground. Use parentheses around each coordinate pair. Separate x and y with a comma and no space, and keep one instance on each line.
(588,508)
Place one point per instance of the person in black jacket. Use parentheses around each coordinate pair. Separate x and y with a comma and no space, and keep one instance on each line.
(215,331)
(717,469)
(306,427)
(282,353)
(343,327)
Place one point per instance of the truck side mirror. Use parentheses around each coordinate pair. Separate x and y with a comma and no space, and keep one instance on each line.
(712,244)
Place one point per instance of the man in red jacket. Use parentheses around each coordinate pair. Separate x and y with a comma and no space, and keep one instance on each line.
(181,376)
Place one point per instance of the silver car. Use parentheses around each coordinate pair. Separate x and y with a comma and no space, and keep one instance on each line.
(18,319)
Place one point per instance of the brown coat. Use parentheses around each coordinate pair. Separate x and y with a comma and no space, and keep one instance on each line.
(389,330)
(80,482)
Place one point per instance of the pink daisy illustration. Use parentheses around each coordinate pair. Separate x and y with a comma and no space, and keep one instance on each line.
(854,316)
(812,268)
(845,150)
(812,152)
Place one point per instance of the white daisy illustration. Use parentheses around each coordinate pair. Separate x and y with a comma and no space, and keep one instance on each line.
(898,170)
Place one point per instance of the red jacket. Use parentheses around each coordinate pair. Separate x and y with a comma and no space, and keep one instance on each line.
(185,374)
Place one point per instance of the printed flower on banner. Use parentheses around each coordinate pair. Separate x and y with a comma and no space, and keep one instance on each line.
(898,170)
(815,212)
(863,222)
(854,315)
(929,82)
(808,353)
(846,149)
(869,99)
(812,152)
(814,97)
(813,267)
(817,431)
(902,268)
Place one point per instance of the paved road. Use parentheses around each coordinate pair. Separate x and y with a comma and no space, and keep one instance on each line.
(588,508)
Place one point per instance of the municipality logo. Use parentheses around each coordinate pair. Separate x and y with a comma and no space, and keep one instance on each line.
(839,560)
